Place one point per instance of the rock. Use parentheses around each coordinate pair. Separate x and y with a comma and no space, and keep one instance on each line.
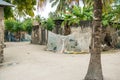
(105,47)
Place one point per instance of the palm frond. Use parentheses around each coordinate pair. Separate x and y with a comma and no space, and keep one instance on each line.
(41,4)
(54,3)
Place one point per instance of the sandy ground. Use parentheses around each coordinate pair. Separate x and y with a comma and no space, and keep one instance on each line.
(24,61)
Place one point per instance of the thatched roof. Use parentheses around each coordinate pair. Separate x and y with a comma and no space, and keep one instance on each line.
(3,3)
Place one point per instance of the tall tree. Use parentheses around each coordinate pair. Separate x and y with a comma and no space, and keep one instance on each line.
(62,4)
(20,8)
(25,6)
(95,68)
(8,12)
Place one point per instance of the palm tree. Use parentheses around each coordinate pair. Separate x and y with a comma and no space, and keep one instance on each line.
(62,4)
(95,69)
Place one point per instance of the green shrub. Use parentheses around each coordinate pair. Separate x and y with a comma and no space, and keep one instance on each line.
(48,24)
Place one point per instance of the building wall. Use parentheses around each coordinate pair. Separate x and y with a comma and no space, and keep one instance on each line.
(35,35)
(1,33)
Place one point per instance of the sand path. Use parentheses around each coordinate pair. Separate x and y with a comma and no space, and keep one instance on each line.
(24,61)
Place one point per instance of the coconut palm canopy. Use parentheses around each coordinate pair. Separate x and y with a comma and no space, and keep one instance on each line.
(3,3)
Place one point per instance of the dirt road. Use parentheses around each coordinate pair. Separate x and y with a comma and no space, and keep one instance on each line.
(24,61)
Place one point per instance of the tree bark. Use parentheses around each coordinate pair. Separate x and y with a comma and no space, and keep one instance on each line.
(67,29)
(1,53)
(95,69)
(1,42)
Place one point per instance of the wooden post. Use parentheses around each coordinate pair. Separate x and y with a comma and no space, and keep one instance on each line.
(1,33)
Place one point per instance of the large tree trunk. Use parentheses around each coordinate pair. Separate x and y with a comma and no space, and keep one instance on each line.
(95,68)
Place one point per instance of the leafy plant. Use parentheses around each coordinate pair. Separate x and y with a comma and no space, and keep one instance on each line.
(56,16)
(15,26)
(77,14)
(48,24)
(27,25)
(107,18)
(9,24)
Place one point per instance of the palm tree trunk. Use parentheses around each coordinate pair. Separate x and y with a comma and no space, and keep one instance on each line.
(95,69)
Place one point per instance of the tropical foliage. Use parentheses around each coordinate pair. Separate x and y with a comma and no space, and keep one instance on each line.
(27,25)
(117,12)
(56,16)
(107,18)
(77,14)
(8,12)
(48,24)
(21,8)
(13,25)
